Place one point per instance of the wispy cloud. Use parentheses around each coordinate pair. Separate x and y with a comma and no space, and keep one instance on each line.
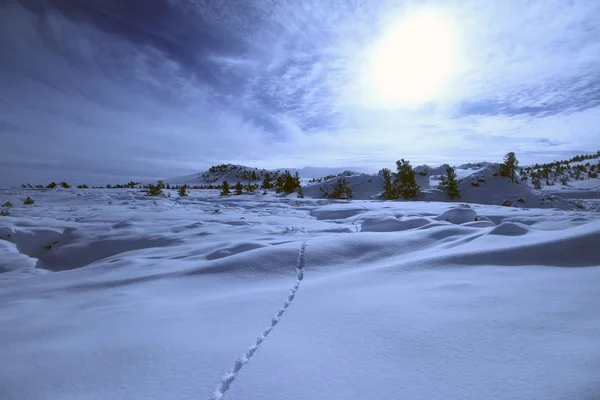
(117,90)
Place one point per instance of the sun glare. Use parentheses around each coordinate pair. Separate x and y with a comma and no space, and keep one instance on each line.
(411,62)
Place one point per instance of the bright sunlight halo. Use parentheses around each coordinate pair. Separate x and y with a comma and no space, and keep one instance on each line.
(413,59)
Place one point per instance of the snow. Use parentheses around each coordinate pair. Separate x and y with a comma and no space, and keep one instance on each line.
(212,297)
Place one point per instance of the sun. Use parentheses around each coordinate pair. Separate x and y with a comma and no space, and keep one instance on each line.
(413,59)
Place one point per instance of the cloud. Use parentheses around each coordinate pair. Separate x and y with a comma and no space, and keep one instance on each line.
(113,89)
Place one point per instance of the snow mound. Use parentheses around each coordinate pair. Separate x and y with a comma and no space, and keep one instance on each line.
(479,224)
(388,223)
(364,186)
(123,224)
(382,223)
(235,249)
(337,211)
(510,229)
(459,215)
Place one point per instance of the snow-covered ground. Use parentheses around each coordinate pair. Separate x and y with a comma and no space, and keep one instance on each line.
(109,294)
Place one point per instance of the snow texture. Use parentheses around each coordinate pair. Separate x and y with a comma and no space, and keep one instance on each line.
(229,377)
(111,294)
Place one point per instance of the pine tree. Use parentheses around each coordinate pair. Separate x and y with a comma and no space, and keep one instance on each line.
(509,166)
(155,190)
(287,183)
(449,183)
(300,193)
(51,185)
(267,182)
(225,189)
(28,201)
(388,188)
(239,188)
(183,191)
(254,175)
(406,186)
(341,190)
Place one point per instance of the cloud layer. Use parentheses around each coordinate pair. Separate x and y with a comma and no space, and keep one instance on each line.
(111,90)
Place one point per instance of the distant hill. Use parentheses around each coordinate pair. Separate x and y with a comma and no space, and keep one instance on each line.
(562,184)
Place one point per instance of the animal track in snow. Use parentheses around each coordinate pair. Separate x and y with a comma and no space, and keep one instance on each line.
(230,376)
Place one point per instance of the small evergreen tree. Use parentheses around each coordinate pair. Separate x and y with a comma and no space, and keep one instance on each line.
(28,201)
(406,186)
(225,189)
(509,166)
(300,193)
(183,191)
(65,185)
(388,188)
(155,190)
(250,187)
(267,182)
(341,190)
(564,179)
(51,185)
(239,188)
(287,183)
(450,184)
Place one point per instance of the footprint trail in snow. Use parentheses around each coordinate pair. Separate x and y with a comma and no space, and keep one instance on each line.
(230,376)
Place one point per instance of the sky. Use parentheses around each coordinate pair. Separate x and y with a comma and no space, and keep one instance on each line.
(113,90)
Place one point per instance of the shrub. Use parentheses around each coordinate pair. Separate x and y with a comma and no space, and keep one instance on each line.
(507,203)
(183,191)
(51,185)
(474,184)
(266,184)
(239,188)
(287,183)
(4,213)
(521,200)
(8,204)
(580,206)
(28,201)
(341,190)
(155,190)
(225,189)
(65,185)
(51,245)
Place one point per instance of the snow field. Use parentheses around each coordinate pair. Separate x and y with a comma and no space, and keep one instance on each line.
(143,298)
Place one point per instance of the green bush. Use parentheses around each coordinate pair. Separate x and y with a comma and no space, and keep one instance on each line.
(28,201)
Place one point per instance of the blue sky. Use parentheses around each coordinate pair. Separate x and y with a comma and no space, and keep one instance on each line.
(110,90)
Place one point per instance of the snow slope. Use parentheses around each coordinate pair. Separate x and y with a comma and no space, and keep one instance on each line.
(168,298)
